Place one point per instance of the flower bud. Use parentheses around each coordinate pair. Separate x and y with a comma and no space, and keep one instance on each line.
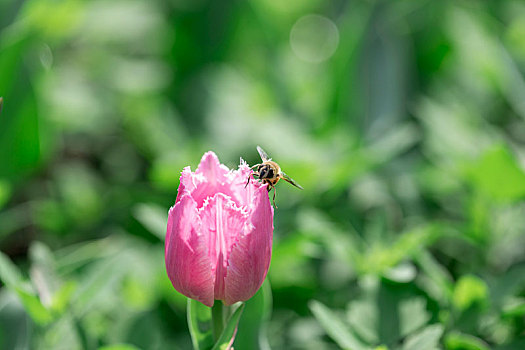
(219,234)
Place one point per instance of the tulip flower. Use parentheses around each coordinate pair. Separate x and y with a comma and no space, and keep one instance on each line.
(219,234)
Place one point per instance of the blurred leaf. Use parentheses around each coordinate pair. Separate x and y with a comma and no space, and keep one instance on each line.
(62,297)
(53,20)
(15,325)
(435,279)
(381,257)
(387,312)
(153,217)
(335,327)
(460,341)
(19,129)
(507,284)
(346,100)
(514,308)
(402,273)
(119,347)
(19,137)
(390,145)
(363,317)
(427,339)
(11,276)
(199,324)
(469,289)
(253,324)
(80,190)
(34,307)
(99,282)
(290,265)
(136,294)
(78,255)
(122,23)
(396,141)
(42,272)
(517,343)
(412,315)
(230,329)
(498,175)
(9,273)
(12,48)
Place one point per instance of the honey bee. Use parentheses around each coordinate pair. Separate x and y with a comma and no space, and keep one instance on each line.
(269,172)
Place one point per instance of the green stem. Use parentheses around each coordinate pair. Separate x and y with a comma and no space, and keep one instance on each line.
(217,315)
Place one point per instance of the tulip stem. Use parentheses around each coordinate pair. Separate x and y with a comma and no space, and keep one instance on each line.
(217,315)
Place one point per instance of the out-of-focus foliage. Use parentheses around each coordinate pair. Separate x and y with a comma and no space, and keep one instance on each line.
(403,120)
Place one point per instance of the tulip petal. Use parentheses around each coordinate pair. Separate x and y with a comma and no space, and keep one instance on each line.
(212,169)
(222,223)
(242,190)
(187,255)
(211,177)
(249,259)
(187,183)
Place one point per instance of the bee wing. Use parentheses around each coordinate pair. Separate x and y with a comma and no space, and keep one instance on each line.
(263,154)
(290,180)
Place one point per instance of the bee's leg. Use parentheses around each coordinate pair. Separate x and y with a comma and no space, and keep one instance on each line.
(253,173)
(249,177)
(274,192)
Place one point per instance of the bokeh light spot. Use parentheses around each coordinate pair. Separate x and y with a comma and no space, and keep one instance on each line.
(314,38)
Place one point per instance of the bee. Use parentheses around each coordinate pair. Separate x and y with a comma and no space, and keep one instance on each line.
(269,172)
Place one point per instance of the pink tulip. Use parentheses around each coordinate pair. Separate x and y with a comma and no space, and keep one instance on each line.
(219,235)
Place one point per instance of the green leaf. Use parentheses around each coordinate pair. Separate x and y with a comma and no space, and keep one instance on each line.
(5,192)
(153,217)
(469,289)
(256,314)
(19,122)
(9,273)
(363,318)
(34,307)
(435,279)
(412,314)
(386,313)
(42,272)
(334,327)
(498,175)
(15,324)
(507,285)
(119,347)
(200,325)
(460,341)
(62,297)
(226,337)
(514,307)
(99,281)
(427,339)
(13,280)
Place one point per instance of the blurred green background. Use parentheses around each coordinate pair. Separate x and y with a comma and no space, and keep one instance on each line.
(403,120)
